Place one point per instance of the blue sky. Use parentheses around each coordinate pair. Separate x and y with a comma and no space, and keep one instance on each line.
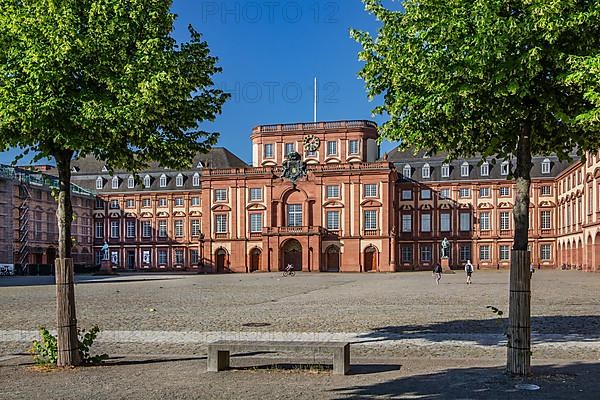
(270,52)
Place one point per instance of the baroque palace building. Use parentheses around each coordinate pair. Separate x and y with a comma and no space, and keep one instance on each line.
(320,197)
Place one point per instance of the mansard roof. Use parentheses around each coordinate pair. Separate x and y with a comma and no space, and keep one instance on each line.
(402,157)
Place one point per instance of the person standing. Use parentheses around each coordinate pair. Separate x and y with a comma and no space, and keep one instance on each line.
(469,271)
(437,273)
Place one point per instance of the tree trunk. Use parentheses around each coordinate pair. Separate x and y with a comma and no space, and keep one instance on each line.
(68,345)
(519,318)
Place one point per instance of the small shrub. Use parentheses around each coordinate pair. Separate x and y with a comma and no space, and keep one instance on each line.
(45,350)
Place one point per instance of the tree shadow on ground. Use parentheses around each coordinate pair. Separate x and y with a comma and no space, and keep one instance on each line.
(490,332)
(571,381)
(316,367)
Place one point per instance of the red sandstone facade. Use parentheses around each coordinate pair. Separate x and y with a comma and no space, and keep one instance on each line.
(353,211)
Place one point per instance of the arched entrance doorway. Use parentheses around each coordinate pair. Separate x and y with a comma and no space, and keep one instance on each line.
(332,259)
(221,258)
(370,259)
(291,254)
(255,259)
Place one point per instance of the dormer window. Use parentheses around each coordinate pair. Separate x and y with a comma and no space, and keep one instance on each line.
(546,166)
(426,171)
(163,181)
(485,169)
(115,182)
(99,183)
(147,181)
(445,170)
(199,165)
(104,168)
(130,182)
(464,169)
(406,171)
(179,180)
(504,168)
(196,180)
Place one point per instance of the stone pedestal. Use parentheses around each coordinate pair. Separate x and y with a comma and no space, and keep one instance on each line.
(106,268)
(446,266)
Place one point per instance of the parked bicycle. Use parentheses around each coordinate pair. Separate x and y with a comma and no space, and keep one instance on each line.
(289,270)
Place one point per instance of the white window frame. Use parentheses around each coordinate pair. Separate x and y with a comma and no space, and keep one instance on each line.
(179,202)
(445,222)
(99,183)
(445,170)
(353,147)
(504,252)
(545,219)
(445,193)
(545,252)
(485,191)
(504,168)
(179,180)
(464,193)
(114,182)
(368,188)
(484,252)
(196,180)
(130,229)
(332,148)
(485,223)
(406,220)
(256,222)
(147,181)
(426,251)
(220,195)
(221,223)
(195,227)
(504,191)
(332,191)
(146,228)
(178,228)
(294,215)
(268,150)
(425,194)
(426,171)
(370,220)
(115,228)
(407,194)
(332,219)
(288,148)
(485,169)
(504,220)
(163,181)
(130,182)
(465,169)
(407,171)
(546,166)
(253,194)
(162,228)
(426,222)
(463,222)
(163,257)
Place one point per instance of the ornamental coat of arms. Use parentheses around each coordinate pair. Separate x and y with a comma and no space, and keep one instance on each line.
(293,167)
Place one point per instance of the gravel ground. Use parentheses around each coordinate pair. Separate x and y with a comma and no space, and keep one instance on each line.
(565,312)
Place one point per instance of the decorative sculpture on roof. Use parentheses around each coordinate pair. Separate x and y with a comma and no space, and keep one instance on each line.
(293,167)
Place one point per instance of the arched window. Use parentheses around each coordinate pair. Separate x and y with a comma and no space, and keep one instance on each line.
(179,180)
(406,171)
(546,166)
(163,181)
(445,170)
(99,182)
(147,181)
(464,169)
(485,169)
(196,180)
(426,171)
(115,182)
(130,182)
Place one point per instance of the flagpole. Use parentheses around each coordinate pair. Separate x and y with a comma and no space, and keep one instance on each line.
(315,103)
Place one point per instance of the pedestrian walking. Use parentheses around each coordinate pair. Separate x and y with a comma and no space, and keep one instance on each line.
(437,273)
(469,271)
(531,270)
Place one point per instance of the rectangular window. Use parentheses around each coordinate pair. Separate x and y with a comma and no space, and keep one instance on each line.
(194,256)
(407,255)
(406,223)
(268,150)
(333,191)
(162,202)
(464,252)
(195,201)
(546,190)
(220,195)
(465,222)
(425,222)
(99,204)
(485,169)
(179,257)
(504,253)
(331,148)
(195,227)
(426,253)
(484,192)
(294,214)
(256,194)
(114,204)
(333,220)
(407,194)
(179,228)
(504,220)
(289,148)
(484,221)
(130,229)
(445,225)
(114,229)
(353,147)
(370,220)
(426,194)
(445,171)
(370,190)
(146,203)
(178,201)
(504,191)
(221,223)
(146,229)
(162,257)
(464,169)
(504,167)
(99,229)
(484,252)
(256,224)
(130,203)
(546,252)
(162,228)
(444,193)
(464,193)
(546,220)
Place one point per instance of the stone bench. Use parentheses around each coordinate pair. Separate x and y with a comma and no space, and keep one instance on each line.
(219,352)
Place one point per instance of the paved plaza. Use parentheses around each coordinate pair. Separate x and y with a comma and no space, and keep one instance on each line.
(410,337)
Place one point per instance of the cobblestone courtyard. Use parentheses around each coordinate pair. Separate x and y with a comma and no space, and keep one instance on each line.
(402,325)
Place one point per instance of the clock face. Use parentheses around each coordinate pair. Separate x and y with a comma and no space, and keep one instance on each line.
(311,143)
